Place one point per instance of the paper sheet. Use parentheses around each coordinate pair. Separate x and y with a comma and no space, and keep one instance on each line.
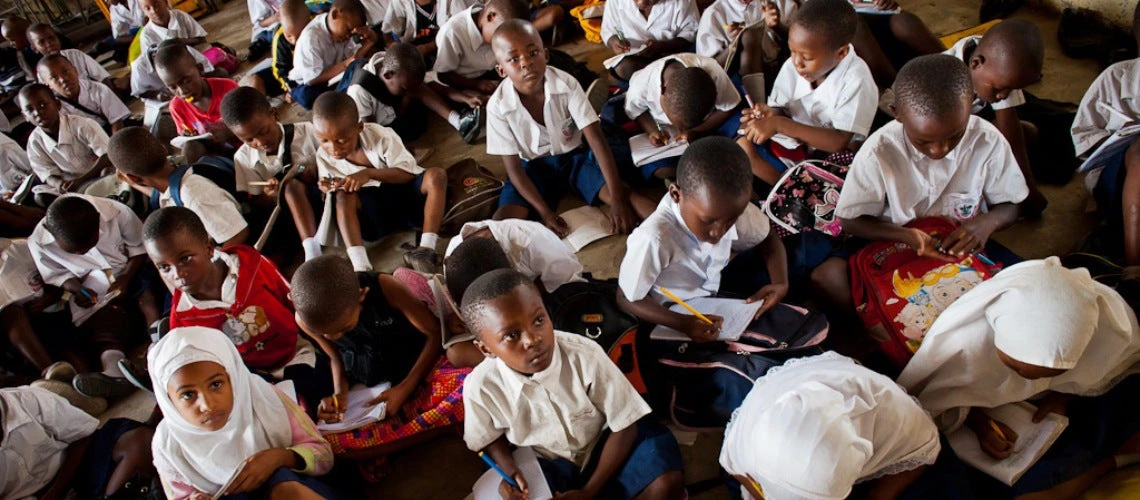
(181,140)
(612,62)
(736,313)
(868,7)
(643,151)
(487,487)
(587,225)
(97,281)
(1114,144)
(356,415)
(1033,440)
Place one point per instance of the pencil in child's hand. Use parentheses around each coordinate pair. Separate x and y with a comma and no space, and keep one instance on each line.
(487,458)
(259,183)
(684,304)
(998,431)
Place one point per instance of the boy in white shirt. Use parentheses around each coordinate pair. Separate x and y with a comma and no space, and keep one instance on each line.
(530,247)
(380,188)
(1008,58)
(654,28)
(327,50)
(823,100)
(66,151)
(560,394)
(464,58)
(167,23)
(45,40)
(142,162)
(82,97)
(418,21)
(148,87)
(263,17)
(533,100)
(127,17)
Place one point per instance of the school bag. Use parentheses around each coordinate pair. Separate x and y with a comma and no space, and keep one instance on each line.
(216,169)
(805,197)
(222,57)
(898,294)
(472,195)
(591,309)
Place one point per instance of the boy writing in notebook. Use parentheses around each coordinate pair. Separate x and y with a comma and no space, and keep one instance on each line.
(327,49)
(166,23)
(66,151)
(654,28)
(533,100)
(464,58)
(44,39)
(823,100)
(560,394)
(380,188)
(82,97)
(195,107)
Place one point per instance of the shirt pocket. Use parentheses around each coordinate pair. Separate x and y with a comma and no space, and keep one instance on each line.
(961,206)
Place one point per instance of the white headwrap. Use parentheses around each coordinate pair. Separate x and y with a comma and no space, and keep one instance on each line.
(258,420)
(813,428)
(1036,312)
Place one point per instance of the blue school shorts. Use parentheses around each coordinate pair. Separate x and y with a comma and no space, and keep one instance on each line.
(554,175)
(655,453)
(1109,189)
(305,94)
(389,207)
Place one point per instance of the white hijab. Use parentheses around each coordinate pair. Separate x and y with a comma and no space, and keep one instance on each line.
(813,428)
(1036,312)
(258,420)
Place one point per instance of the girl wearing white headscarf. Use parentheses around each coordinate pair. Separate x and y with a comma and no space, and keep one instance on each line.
(220,423)
(1036,331)
(813,428)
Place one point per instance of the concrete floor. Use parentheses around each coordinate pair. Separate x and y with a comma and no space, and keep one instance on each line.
(445,469)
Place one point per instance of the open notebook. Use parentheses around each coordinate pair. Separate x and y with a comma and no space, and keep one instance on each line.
(356,415)
(1117,142)
(643,151)
(587,225)
(98,281)
(736,313)
(868,7)
(1033,440)
(487,487)
(612,62)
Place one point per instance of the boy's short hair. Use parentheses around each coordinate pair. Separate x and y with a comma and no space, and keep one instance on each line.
(353,8)
(171,220)
(690,95)
(168,54)
(404,58)
(473,258)
(833,20)
(72,220)
(489,287)
(33,88)
(335,106)
(1017,44)
(933,85)
(41,28)
(242,104)
(716,166)
(322,287)
(54,58)
(295,8)
(135,151)
(510,9)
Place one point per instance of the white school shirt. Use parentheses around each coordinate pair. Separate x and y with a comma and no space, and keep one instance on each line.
(181,25)
(668,20)
(712,37)
(1015,97)
(259,10)
(644,92)
(846,100)
(14,165)
(560,411)
(120,238)
(125,17)
(401,16)
(217,208)
(38,428)
(315,51)
(382,147)
(252,165)
(512,131)
(662,252)
(1108,105)
(96,96)
(81,142)
(19,278)
(532,249)
(86,66)
(891,180)
(368,106)
(460,47)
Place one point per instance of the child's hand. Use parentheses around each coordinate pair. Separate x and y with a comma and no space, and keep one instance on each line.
(760,131)
(771,14)
(328,185)
(658,138)
(509,492)
(969,238)
(472,100)
(198,495)
(699,331)
(618,46)
(996,445)
(886,4)
(86,297)
(557,224)
(571,495)
(270,189)
(67,186)
(354,182)
(926,246)
(1053,402)
(331,409)
(394,398)
(734,29)
(487,87)
(367,40)
(682,136)
(258,467)
(771,294)
(622,216)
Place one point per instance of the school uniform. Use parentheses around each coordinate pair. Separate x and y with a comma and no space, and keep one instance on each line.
(414,23)
(145,79)
(97,102)
(668,20)
(126,17)
(384,345)
(531,248)
(1108,105)
(255,165)
(645,87)
(314,52)
(892,181)
(14,165)
(85,65)
(38,428)
(712,36)
(120,239)
(564,413)
(260,10)
(217,208)
(189,119)
(81,141)
(460,47)
(281,53)
(181,25)
(385,207)
(374,102)
(962,50)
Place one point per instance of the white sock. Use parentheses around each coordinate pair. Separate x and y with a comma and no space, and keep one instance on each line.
(429,240)
(359,257)
(110,359)
(453,119)
(312,248)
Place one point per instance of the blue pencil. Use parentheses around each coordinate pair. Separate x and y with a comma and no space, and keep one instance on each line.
(491,462)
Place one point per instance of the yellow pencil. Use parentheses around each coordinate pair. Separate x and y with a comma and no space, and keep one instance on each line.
(998,431)
(684,304)
(336,405)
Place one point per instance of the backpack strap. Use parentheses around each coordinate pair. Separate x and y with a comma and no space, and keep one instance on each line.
(75,104)
(175,188)
(286,150)
(372,84)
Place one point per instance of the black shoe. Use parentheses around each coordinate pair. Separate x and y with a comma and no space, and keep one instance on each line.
(470,122)
(136,374)
(101,385)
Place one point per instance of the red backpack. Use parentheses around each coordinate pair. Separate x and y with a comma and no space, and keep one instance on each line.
(898,294)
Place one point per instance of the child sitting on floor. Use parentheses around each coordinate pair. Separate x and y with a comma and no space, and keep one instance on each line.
(66,151)
(470,260)
(167,23)
(82,97)
(148,87)
(380,188)
(372,328)
(14,167)
(44,39)
(757,25)
(327,49)
(417,22)
(654,28)
(195,107)
(220,417)
(274,81)
(823,100)
(464,58)
(559,393)
(532,101)
(127,17)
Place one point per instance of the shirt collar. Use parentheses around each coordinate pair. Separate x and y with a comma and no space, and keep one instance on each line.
(833,79)
(919,159)
(702,247)
(551,86)
(65,136)
(514,382)
(474,35)
(229,287)
(271,160)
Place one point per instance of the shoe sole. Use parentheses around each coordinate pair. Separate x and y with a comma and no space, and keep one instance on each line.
(135,381)
(100,387)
